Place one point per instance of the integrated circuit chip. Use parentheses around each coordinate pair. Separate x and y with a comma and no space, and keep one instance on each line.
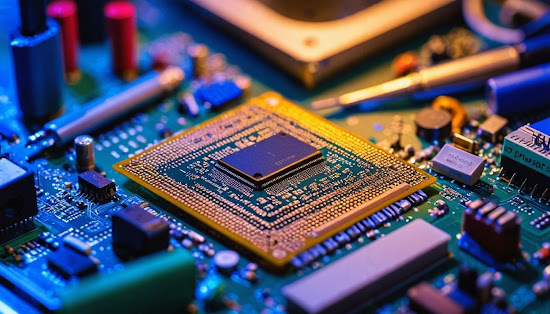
(273,177)
(270,160)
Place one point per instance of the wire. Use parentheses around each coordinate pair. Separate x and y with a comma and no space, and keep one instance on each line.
(475,17)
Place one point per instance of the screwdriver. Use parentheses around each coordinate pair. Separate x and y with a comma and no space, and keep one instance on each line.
(103,111)
(468,70)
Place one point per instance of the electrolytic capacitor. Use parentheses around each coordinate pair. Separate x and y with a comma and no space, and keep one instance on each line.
(36,50)
(85,153)
(65,13)
(121,27)
(199,59)
(521,91)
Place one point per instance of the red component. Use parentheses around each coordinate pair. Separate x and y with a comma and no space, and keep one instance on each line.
(121,27)
(64,12)
(405,63)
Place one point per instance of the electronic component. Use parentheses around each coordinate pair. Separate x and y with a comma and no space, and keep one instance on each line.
(458,164)
(77,245)
(524,157)
(91,22)
(97,186)
(121,26)
(493,228)
(226,261)
(433,124)
(148,284)
(8,134)
(65,13)
(290,35)
(199,59)
(459,114)
(369,271)
(17,199)
(36,50)
(405,63)
(70,263)
(492,129)
(187,104)
(185,170)
(138,231)
(270,161)
(466,144)
(85,153)
(218,94)
(424,298)
(506,93)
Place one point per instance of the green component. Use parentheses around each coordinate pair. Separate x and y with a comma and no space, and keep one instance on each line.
(158,283)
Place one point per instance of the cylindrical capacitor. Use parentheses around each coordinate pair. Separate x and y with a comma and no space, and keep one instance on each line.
(520,91)
(91,25)
(226,261)
(36,50)
(199,59)
(65,13)
(85,153)
(433,124)
(121,27)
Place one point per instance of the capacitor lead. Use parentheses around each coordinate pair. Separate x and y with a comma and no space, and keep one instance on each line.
(85,153)
(65,13)
(520,91)
(121,27)
(36,50)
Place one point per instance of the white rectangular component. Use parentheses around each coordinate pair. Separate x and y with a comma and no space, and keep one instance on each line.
(371,270)
(458,164)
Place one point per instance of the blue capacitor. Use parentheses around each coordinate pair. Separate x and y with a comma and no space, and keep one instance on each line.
(36,50)
(520,91)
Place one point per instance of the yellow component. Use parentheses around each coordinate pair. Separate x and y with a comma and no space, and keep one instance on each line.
(356,179)
(456,109)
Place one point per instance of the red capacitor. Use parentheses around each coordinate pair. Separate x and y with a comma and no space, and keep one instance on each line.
(121,27)
(64,12)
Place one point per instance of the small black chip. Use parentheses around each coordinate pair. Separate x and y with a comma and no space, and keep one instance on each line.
(270,161)
(96,185)
(69,263)
(139,232)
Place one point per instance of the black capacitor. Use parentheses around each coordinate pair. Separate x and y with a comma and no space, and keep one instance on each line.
(433,124)
(91,25)
(33,17)
(467,278)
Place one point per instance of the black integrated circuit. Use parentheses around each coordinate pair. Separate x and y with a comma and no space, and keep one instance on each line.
(96,185)
(270,161)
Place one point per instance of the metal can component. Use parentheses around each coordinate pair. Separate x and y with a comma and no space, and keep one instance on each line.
(199,59)
(226,261)
(65,13)
(85,153)
(121,27)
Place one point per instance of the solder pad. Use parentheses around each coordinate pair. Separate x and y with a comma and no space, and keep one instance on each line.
(355,179)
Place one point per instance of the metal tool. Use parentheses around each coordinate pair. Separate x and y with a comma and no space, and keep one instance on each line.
(103,111)
(467,70)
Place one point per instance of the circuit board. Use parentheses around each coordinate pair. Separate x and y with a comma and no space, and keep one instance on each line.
(230,230)
(276,222)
